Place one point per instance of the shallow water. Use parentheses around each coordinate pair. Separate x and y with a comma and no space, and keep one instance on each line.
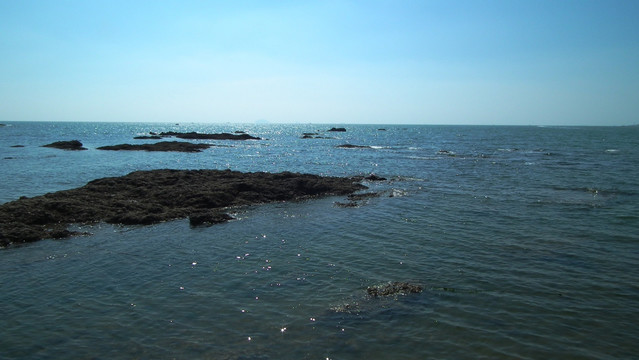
(524,238)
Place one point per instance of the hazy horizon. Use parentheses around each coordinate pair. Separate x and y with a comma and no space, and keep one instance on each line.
(564,63)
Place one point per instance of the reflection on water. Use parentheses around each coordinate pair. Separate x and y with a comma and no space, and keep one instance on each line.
(517,261)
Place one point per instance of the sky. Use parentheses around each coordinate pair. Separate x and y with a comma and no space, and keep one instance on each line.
(509,62)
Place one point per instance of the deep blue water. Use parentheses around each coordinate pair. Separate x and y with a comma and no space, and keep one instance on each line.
(525,239)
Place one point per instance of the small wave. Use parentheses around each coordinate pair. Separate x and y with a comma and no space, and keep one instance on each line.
(595,191)
(407,178)
(612,151)
(397,193)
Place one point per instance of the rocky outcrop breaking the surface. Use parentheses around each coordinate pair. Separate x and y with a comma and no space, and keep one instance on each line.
(202,136)
(351,146)
(66,145)
(147,197)
(160,146)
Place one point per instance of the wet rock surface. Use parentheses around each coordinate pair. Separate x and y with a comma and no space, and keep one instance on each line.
(147,197)
(351,146)
(180,146)
(66,145)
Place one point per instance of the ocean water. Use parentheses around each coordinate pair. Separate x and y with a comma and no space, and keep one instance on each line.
(525,240)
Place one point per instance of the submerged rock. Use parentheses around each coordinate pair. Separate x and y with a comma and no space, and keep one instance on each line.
(66,145)
(351,146)
(147,197)
(373,177)
(394,288)
(362,303)
(161,146)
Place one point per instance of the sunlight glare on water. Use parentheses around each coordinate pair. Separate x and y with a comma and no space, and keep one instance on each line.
(523,238)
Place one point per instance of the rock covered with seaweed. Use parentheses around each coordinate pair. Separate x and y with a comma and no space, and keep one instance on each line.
(147,197)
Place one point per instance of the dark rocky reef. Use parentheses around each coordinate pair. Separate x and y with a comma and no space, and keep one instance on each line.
(160,146)
(147,197)
(66,145)
(337,129)
(373,177)
(394,288)
(351,146)
(202,136)
(151,137)
(310,136)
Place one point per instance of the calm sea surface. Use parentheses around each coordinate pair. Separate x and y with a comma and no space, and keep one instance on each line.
(526,240)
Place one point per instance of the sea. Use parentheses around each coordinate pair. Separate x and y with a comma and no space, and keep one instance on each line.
(525,240)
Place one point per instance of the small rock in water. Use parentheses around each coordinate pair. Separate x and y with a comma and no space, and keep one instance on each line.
(373,177)
(393,288)
(66,145)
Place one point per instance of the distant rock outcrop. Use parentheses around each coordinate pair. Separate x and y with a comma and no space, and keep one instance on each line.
(66,145)
(337,129)
(351,146)
(160,146)
(143,137)
(202,136)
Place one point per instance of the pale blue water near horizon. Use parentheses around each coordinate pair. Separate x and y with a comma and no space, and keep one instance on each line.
(524,238)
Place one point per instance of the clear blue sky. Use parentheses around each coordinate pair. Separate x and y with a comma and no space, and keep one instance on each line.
(514,62)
